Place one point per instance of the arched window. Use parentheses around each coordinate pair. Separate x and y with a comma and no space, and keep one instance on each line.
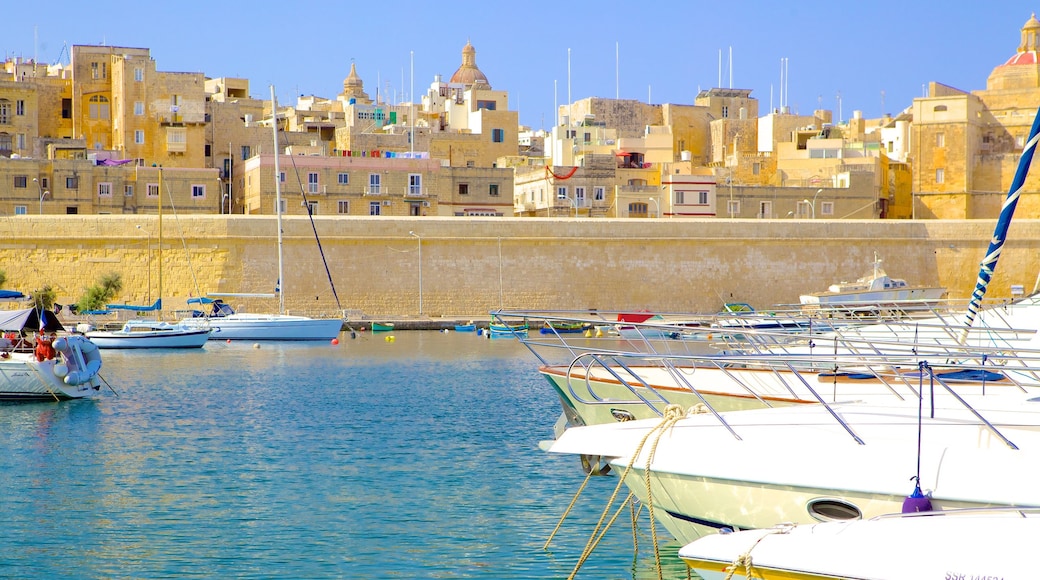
(98,107)
(939,108)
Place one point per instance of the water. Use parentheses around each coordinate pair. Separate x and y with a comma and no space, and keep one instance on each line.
(415,458)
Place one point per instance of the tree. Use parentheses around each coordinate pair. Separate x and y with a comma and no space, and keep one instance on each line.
(97,296)
(43,298)
(3,278)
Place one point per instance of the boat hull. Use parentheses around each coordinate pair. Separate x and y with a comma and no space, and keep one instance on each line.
(193,338)
(23,378)
(920,293)
(270,327)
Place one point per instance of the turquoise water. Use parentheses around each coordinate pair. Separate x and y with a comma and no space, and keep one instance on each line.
(415,458)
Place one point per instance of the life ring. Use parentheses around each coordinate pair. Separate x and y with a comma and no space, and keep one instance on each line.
(83,358)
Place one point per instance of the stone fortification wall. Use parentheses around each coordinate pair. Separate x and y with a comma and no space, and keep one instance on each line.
(474,265)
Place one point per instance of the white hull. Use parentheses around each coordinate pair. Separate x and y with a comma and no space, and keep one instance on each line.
(966,544)
(71,376)
(151,336)
(798,464)
(918,293)
(269,327)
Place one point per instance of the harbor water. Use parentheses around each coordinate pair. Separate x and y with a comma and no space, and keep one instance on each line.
(415,457)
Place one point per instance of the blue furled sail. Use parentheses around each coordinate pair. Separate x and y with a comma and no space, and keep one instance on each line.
(989,263)
(156,306)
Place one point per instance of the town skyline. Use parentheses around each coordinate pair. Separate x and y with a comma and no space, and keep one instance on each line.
(546,58)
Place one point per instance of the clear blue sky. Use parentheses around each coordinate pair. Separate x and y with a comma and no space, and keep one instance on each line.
(874,54)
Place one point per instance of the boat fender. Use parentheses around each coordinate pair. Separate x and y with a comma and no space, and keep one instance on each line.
(87,358)
(917,501)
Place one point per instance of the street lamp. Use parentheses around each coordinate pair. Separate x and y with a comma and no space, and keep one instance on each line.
(811,205)
(43,193)
(419,239)
(225,199)
(657,206)
(818,192)
(149,234)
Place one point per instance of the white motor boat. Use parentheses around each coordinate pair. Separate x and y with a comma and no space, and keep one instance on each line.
(876,287)
(151,334)
(983,543)
(810,463)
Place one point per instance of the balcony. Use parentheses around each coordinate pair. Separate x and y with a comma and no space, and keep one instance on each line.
(374,190)
(416,192)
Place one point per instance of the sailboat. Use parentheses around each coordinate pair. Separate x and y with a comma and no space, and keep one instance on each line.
(230,325)
(141,333)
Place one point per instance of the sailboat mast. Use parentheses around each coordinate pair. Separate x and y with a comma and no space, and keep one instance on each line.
(277,199)
(160,244)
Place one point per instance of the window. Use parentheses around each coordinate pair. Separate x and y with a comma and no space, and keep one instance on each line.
(21,181)
(1020,141)
(486,105)
(579,196)
(20,210)
(245,152)
(5,112)
(312,208)
(638,209)
(756,168)
(198,191)
(373,208)
(940,139)
(561,192)
(725,111)
(498,135)
(493,189)
(281,177)
(463,189)
(598,193)
(128,190)
(71,210)
(733,207)
(98,107)
(19,140)
(283,206)
(826,208)
(104,190)
(702,197)
(374,185)
(152,190)
(765,210)
(71,183)
(343,179)
(939,108)
(940,175)
(312,183)
(5,142)
(138,108)
(588,137)
(176,139)
(19,108)
(139,74)
(343,207)
(139,137)
(680,198)
(414,184)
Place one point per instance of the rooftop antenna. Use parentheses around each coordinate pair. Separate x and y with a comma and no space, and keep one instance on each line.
(569,102)
(882,103)
(720,69)
(617,70)
(411,101)
(731,67)
(839,107)
(787,82)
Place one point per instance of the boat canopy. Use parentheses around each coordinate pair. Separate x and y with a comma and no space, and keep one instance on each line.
(29,319)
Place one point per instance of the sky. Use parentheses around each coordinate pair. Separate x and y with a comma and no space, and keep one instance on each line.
(874,57)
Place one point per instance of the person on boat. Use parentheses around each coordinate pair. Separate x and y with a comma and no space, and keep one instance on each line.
(45,346)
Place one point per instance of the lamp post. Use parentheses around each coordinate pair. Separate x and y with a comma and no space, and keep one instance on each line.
(657,206)
(419,239)
(43,193)
(149,234)
(225,199)
(818,192)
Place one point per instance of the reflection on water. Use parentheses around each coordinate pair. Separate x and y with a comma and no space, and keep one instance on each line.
(413,458)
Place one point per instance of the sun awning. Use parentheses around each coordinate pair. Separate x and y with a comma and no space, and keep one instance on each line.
(28,319)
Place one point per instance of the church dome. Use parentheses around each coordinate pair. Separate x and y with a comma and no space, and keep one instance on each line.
(354,88)
(468,74)
(1027,50)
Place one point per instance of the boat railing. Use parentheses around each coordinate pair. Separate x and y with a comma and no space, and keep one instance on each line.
(886,361)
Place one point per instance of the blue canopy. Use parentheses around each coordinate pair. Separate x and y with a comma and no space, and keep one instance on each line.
(11,295)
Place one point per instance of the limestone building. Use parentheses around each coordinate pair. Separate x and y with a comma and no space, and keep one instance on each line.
(965,146)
